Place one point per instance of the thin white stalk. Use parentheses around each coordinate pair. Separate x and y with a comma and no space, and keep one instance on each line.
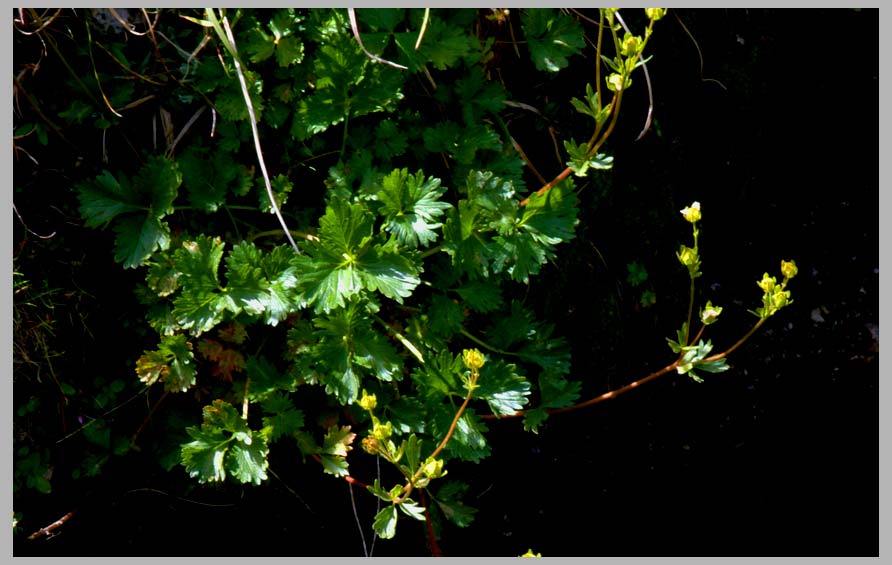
(252,117)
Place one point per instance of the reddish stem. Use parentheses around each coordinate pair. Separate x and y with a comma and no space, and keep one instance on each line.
(431,538)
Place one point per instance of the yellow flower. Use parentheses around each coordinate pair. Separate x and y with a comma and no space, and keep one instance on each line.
(530,553)
(433,468)
(473,359)
(789,269)
(655,13)
(368,402)
(382,431)
(615,82)
(780,299)
(692,213)
(767,283)
(631,44)
(687,256)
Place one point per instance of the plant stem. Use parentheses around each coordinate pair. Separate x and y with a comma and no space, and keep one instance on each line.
(482,343)
(408,488)
(728,351)
(597,399)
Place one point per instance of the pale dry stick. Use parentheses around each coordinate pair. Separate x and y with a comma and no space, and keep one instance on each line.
(241,77)
(427,13)
(355,27)
(96,76)
(184,130)
(22,21)
(365,549)
(126,25)
(14,209)
(699,54)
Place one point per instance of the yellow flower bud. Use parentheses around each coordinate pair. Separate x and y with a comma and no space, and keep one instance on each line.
(530,553)
(615,82)
(655,13)
(789,269)
(692,213)
(473,359)
(687,256)
(631,44)
(780,299)
(433,468)
(767,283)
(382,431)
(368,402)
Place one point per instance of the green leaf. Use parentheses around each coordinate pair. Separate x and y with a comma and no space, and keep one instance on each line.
(411,508)
(413,451)
(445,316)
(76,112)
(440,376)
(146,201)
(222,444)
(172,363)
(407,415)
(281,186)
(591,106)
(336,466)
(203,456)
(533,418)
(558,392)
(580,162)
(139,237)
(289,51)
(467,441)
(481,296)
(552,37)
(342,263)
(443,46)
(104,198)
(284,420)
(247,461)
(208,174)
(717,366)
(266,379)
(392,140)
(411,207)
(448,500)
(385,522)
(258,45)
(502,388)
(337,441)
(263,283)
(391,273)
(346,347)
(201,304)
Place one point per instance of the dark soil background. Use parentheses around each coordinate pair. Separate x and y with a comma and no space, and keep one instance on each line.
(777,137)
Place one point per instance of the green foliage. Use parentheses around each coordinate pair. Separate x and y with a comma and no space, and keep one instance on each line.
(552,36)
(142,204)
(416,236)
(225,444)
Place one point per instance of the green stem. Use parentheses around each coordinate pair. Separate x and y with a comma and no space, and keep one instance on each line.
(483,344)
(270,233)
(408,344)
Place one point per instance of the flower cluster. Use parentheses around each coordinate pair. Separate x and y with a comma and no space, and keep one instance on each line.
(775,295)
